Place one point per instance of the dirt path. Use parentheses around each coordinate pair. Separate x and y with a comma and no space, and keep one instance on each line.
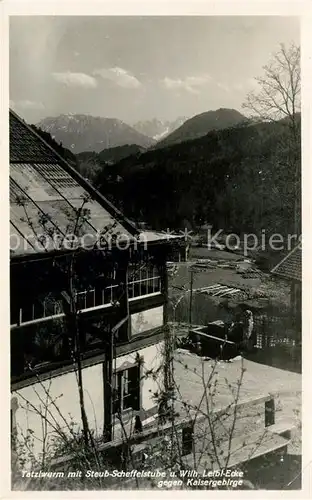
(257,380)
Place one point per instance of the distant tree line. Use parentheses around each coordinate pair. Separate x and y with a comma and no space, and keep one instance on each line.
(238,179)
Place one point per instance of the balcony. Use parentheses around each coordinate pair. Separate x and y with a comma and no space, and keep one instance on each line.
(50,307)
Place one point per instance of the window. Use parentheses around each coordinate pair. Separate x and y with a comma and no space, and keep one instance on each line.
(126,391)
(14,309)
(187,440)
(96,331)
(144,279)
(38,344)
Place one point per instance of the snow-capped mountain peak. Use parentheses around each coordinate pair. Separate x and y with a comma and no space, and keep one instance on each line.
(158,129)
(162,134)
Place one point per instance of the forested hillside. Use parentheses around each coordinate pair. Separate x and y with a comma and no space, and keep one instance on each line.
(199,125)
(239,179)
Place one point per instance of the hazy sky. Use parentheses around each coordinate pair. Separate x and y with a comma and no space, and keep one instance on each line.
(135,68)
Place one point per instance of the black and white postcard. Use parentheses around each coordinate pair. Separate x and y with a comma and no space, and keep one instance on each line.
(155,216)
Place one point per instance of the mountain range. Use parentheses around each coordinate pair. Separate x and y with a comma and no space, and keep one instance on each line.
(80,133)
(158,129)
(218,167)
(85,140)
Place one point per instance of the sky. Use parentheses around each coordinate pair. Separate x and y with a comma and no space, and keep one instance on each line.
(139,68)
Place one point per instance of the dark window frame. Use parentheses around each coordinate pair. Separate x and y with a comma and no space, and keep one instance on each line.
(127,389)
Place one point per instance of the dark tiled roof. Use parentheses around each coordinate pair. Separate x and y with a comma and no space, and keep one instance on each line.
(46,195)
(26,147)
(290,266)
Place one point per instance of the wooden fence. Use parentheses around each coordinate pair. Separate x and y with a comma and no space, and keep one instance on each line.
(277,334)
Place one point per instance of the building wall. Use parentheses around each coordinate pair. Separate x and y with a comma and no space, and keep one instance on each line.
(152,360)
(63,390)
(36,400)
(147,320)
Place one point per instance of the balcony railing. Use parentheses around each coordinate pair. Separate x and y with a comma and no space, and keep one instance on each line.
(143,287)
(47,309)
(86,300)
(144,280)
